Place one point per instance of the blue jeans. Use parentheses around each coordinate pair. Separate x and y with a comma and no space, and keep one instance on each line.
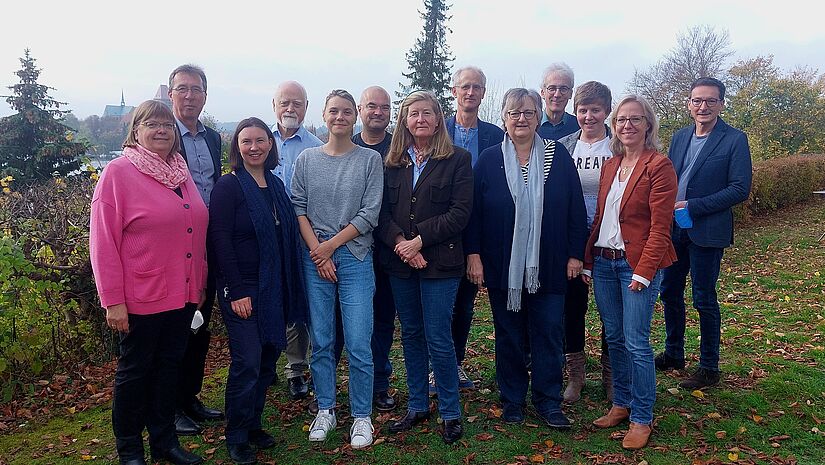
(626,315)
(425,309)
(703,264)
(539,328)
(354,291)
(250,373)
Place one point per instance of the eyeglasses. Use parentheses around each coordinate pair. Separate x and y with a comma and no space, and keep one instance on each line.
(153,125)
(373,107)
(561,89)
(635,121)
(515,115)
(711,102)
(183,90)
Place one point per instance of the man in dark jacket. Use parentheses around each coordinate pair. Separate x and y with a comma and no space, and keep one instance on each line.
(201,148)
(468,132)
(713,165)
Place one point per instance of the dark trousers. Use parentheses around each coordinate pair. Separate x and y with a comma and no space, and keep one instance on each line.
(463,317)
(538,325)
(250,373)
(146,378)
(703,264)
(190,377)
(575,309)
(383,329)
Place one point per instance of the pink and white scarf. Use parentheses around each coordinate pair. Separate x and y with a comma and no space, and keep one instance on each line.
(171,172)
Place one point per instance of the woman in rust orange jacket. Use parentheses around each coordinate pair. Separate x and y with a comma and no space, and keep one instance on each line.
(629,244)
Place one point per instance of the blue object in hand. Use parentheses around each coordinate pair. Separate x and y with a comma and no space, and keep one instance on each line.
(683,218)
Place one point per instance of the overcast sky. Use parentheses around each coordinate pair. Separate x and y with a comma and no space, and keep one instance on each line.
(92,49)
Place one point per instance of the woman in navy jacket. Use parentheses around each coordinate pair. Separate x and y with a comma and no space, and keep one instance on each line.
(525,240)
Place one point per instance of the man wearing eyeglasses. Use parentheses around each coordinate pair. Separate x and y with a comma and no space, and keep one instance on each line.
(201,148)
(291,137)
(713,165)
(556,90)
(468,132)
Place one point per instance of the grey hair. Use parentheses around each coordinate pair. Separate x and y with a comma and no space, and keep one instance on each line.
(558,68)
(194,70)
(514,96)
(457,74)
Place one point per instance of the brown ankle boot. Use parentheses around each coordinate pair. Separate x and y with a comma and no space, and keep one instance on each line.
(637,436)
(614,416)
(575,376)
(607,374)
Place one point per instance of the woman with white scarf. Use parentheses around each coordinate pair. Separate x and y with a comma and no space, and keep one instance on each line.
(525,240)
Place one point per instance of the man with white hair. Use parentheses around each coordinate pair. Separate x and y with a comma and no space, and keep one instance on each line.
(556,90)
(291,137)
(468,132)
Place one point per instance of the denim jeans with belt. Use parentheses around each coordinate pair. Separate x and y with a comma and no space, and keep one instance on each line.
(703,264)
(627,315)
(425,310)
(354,290)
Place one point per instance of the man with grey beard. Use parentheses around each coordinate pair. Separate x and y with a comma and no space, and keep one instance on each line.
(291,137)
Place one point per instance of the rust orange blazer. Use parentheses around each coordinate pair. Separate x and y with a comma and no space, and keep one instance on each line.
(645,214)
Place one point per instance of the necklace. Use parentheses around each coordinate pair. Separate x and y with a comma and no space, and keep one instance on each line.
(625,170)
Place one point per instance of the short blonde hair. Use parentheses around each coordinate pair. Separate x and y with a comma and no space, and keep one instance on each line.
(651,134)
(441,146)
(145,111)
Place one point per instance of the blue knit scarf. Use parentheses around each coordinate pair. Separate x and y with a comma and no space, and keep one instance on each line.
(275,261)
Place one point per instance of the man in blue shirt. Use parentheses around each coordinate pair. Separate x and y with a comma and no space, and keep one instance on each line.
(556,90)
(291,137)
(713,165)
(474,135)
(201,148)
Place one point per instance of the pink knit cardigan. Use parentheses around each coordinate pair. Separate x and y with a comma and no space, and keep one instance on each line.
(147,245)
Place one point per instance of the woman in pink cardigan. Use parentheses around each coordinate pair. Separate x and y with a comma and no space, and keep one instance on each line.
(148,252)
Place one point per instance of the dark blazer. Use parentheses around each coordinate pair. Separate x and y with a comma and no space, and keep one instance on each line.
(645,214)
(488,134)
(720,179)
(438,209)
(213,141)
(563,224)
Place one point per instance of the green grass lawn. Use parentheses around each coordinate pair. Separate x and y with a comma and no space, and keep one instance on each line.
(768,409)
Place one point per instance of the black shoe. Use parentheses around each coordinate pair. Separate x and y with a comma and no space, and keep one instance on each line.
(261,439)
(177,455)
(242,454)
(185,426)
(408,421)
(201,413)
(384,402)
(452,431)
(512,413)
(665,362)
(312,408)
(135,461)
(701,378)
(298,388)
(555,419)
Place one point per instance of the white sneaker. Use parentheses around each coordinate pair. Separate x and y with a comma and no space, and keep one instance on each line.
(323,423)
(361,433)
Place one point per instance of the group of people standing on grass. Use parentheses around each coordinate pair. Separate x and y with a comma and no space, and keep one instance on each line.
(312,244)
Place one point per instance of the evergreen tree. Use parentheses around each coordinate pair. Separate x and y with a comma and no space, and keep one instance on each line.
(430,60)
(34,143)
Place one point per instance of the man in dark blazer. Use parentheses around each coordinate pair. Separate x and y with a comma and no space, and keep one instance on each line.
(201,148)
(470,133)
(713,165)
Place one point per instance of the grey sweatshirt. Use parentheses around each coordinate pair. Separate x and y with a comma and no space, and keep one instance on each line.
(336,191)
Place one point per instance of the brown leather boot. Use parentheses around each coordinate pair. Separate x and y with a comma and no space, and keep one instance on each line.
(607,374)
(614,416)
(575,376)
(637,436)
